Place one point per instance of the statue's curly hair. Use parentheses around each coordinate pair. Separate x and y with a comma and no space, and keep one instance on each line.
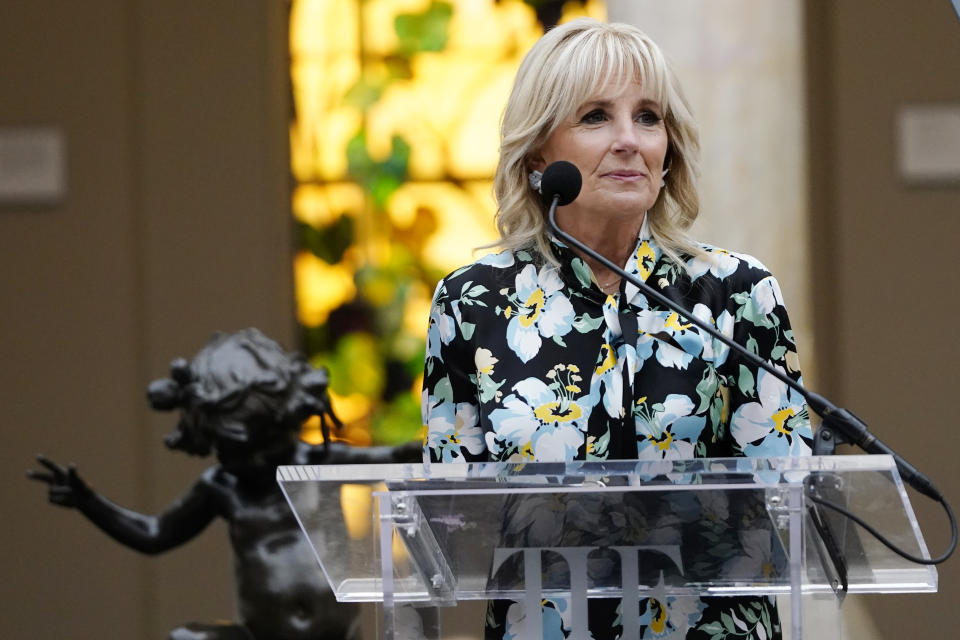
(227,371)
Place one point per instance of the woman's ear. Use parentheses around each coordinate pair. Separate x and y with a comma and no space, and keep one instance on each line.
(535,162)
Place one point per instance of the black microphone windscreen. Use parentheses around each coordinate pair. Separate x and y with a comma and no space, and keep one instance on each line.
(561,179)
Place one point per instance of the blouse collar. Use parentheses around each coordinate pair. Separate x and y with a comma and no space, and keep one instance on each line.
(640,264)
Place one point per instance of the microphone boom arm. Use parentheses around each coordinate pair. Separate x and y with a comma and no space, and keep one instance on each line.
(561,184)
(842,425)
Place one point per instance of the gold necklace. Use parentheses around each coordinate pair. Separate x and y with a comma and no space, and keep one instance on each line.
(605,287)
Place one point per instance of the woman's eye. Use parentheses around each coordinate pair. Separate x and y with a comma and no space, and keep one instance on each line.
(648,117)
(593,117)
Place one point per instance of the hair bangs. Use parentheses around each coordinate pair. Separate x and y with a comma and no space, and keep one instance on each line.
(615,57)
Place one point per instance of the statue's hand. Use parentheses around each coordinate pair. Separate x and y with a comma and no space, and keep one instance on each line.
(66,488)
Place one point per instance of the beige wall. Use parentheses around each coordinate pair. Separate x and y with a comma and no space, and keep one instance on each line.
(884,254)
(176,224)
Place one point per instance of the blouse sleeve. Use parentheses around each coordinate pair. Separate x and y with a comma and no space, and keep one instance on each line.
(450,406)
(767,417)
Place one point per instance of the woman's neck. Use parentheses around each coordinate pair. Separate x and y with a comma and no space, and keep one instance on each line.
(613,238)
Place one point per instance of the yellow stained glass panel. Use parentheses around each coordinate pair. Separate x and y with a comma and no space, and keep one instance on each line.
(393,148)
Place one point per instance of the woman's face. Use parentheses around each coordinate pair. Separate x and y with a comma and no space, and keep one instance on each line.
(618,140)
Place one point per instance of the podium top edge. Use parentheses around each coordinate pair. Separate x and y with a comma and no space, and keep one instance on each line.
(764,470)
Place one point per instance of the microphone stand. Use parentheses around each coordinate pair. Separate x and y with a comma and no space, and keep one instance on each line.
(838,426)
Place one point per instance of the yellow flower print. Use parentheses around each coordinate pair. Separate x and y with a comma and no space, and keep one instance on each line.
(781,419)
(609,360)
(453,431)
(669,429)
(673,323)
(663,442)
(725,411)
(538,309)
(645,259)
(535,300)
(774,426)
(559,412)
(659,621)
(545,418)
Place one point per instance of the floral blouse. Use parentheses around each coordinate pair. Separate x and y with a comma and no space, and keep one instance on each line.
(528,361)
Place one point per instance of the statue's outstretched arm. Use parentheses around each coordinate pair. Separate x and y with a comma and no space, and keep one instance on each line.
(150,534)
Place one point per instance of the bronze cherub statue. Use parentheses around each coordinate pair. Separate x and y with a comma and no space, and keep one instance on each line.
(243,398)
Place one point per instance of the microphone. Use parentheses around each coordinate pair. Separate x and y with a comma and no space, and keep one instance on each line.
(561,185)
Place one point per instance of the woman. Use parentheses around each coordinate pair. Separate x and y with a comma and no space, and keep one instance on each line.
(541,353)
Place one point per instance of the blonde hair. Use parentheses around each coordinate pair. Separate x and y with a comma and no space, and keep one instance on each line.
(564,69)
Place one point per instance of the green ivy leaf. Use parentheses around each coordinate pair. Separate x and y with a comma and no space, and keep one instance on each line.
(585,324)
(755,316)
(712,627)
(728,622)
(765,617)
(582,271)
(425,31)
(393,424)
(477,291)
(488,388)
(364,93)
(329,243)
(356,365)
(443,390)
(706,389)
(746,382)
(381,179)
(600,447)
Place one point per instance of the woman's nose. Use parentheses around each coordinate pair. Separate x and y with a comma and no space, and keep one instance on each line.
(625,136)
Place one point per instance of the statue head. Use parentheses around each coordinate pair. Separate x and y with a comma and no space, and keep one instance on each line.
(243,397)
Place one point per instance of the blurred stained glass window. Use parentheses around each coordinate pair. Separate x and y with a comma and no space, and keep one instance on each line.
(393,146)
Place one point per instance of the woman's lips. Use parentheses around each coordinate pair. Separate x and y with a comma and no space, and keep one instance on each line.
(625,176)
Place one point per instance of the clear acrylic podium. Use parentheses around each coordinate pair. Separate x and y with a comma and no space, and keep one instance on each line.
(421,539)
